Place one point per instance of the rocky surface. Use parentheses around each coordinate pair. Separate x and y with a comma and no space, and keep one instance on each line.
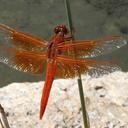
(106,99)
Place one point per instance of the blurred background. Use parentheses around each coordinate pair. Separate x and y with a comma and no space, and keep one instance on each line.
(92,19)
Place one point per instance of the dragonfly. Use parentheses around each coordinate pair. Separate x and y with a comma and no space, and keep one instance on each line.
(60,56)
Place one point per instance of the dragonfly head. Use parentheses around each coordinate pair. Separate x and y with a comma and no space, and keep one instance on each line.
(61,28)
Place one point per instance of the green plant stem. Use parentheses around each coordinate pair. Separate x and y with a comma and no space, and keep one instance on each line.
(83,107)
(3,121)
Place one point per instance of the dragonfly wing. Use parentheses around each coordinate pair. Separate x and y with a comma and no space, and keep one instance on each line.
(20,40)
(69,68)
(31,62)
(88,48)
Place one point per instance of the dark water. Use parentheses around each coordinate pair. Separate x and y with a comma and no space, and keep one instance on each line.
(95,19)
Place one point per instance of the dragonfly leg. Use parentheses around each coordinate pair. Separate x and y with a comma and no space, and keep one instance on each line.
(68,38)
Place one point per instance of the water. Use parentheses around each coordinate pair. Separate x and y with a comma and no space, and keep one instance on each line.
(93,20)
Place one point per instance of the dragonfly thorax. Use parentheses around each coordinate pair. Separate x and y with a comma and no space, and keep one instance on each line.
(52,50)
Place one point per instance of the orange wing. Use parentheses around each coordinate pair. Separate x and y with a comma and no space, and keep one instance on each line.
(69,68)
(21,40)
(31,62)
(92,48)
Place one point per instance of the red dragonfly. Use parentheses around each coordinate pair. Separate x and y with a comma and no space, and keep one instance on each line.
(60,56)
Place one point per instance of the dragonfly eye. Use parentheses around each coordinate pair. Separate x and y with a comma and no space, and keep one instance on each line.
(61,28)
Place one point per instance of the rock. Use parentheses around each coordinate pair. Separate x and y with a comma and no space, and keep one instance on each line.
(106,101)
